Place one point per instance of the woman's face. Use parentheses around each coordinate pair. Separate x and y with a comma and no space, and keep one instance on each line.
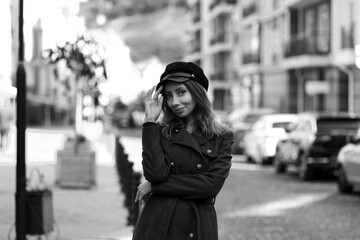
(179,99)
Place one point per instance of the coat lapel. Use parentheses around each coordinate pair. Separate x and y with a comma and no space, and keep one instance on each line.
(184,138)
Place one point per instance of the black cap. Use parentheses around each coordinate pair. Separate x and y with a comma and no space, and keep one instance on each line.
(183,71)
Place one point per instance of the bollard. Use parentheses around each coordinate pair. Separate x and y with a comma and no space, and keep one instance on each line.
(134,209)
(128,181)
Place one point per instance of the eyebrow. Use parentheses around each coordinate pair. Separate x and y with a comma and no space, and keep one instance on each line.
(177,89)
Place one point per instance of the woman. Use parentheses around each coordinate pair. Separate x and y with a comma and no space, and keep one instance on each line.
(186,158)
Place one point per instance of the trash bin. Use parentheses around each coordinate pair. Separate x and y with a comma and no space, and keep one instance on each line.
(39,207)
(39,212)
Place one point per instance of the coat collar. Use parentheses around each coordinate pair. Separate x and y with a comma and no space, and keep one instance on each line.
(183,137)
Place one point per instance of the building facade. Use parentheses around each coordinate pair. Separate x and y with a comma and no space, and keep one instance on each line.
(48,101)
(290,55)
(211,42)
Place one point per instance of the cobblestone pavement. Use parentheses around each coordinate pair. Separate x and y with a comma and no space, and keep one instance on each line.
(254,204)
(257,204)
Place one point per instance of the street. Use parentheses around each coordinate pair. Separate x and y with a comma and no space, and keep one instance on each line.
(257,204)
(254,204)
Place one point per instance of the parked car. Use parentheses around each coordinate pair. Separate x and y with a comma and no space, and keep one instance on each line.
(222,116)
(313,143)
(241,121)
(261,141)
(348,165)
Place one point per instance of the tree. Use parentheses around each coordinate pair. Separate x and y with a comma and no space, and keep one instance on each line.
(86,61)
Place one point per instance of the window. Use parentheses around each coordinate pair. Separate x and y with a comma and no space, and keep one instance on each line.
(323,26)
(310,29)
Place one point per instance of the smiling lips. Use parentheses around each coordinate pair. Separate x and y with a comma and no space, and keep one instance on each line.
(178,110)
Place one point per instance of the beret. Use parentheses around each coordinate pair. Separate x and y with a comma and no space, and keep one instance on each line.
(183,71)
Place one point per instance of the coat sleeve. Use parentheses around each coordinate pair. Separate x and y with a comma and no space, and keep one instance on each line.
(202,185)
(155,164)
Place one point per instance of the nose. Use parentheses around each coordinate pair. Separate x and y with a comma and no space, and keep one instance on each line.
(175,101)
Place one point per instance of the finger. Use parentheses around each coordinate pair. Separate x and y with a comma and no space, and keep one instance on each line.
(161,100)
(137,196)
(149,93)
(156,95)
(141,186)
(141,196)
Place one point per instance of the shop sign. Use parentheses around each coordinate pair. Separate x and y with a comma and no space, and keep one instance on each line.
(317,87)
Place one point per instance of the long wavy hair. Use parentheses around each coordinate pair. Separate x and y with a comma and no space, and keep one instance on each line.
(204,117)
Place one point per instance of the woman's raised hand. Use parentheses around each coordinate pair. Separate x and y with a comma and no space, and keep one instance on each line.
(153,103)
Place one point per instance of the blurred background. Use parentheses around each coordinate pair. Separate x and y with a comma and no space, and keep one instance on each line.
(283,76)
(291,56)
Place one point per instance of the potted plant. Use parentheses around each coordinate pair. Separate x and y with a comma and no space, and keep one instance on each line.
(84,59)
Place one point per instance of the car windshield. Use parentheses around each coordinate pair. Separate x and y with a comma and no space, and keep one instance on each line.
(338,126)
(281,125)
(252,117)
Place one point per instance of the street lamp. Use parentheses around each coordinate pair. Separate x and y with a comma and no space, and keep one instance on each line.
(20,196)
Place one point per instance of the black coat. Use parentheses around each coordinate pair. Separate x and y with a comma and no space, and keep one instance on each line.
(186,174)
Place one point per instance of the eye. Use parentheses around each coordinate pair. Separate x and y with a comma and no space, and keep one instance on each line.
(181,92)
(167,95)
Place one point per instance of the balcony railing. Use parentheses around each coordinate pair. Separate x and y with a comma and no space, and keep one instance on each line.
(248,10)
(218,76)
(217,2)
(250,58)
(195,47)
(220,38)
(196,18)
(318,42)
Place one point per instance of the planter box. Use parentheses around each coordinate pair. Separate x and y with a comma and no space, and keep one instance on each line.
(76,166)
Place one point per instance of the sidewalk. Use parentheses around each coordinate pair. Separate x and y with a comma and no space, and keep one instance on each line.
(96,214)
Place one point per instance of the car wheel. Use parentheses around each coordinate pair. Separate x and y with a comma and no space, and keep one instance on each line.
(249,159)
(259,161)
(342,182)
(270,160)
(278,165)
(305,171)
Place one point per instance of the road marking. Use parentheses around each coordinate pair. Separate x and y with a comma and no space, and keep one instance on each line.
(279,207)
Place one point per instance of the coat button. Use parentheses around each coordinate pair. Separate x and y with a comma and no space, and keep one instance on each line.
(172,164)
(199,166)
(208,151)
(191,235)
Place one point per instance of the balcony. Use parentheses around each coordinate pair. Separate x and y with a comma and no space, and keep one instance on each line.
(218,76)
(220,38)
(217,2)
(250,58)
(248,10)
(318,42)
(195,47)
